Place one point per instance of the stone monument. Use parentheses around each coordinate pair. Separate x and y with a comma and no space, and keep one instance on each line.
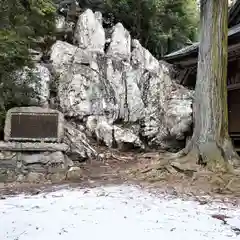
(33,144)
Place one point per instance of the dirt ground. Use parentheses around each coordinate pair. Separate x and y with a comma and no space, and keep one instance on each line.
(144,169)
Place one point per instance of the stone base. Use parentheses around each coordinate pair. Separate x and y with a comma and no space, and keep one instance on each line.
(16,166)
(74,174)
(33,146)
(37,162)
(7,176)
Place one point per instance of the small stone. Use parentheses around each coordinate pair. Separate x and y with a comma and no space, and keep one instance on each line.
(11,175)
(3,175)
(55,158)
(34,177)
(54,168)
(58,177)
(74,173)
(40,168)
(20,178)
(60,24)
(68,162)
(101,156)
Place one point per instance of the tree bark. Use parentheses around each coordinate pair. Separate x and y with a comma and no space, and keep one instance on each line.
(210,140)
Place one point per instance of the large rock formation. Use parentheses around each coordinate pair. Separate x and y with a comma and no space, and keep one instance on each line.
(121,93)
(38,79)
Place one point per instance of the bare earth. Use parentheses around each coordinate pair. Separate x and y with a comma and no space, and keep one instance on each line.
(135,191)
(142,169)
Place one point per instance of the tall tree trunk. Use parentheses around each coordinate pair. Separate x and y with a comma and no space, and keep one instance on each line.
(211,142)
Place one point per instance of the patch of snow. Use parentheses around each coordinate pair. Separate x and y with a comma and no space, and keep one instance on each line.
(112,212)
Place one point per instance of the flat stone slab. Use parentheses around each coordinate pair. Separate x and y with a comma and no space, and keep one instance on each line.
(33,146)
(34,124)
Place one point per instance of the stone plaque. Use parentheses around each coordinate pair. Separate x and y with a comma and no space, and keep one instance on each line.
(34,124)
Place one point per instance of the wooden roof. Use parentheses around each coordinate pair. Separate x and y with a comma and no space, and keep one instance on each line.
(188,55)
(185,56)
(234,16)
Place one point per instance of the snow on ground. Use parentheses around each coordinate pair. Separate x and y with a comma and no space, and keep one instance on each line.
(112,212)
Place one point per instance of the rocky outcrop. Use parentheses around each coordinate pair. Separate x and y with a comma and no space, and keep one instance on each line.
(113,136)
(43,90)
(119,92)
(121,95)
(89,33)
(79,147)
(60,24)
(38,79)
(120,46)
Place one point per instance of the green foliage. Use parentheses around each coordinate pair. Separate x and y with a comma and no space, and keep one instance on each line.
(17,89)
(161,25)
(22,24)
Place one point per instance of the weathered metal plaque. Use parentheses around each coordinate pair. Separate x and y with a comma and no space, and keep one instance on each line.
(34,125)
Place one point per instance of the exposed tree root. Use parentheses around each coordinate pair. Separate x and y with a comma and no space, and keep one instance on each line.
(210,165)
(206,168)
(187,162)
(211,155)
(215,157)
(230,154)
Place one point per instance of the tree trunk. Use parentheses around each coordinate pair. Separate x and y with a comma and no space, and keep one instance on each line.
(210,140)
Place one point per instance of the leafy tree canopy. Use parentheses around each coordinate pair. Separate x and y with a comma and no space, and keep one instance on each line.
(22,23)
(162,26)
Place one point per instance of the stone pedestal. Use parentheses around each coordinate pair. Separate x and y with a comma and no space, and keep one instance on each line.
(20,160)
(33,147)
